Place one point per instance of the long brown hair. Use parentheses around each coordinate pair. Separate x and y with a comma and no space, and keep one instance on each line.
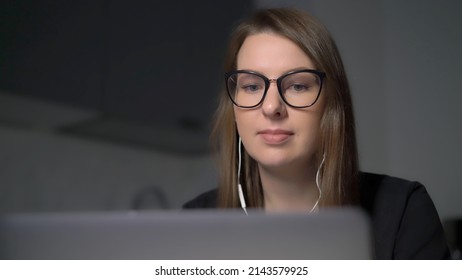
(339,174)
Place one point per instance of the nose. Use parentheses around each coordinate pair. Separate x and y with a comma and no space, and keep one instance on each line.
(273,106)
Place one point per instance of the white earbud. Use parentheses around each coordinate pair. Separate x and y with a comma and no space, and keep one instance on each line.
(239,187)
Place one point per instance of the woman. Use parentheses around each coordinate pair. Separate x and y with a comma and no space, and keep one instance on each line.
(285,138)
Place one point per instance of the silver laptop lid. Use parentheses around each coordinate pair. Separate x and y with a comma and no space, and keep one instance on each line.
(330,234)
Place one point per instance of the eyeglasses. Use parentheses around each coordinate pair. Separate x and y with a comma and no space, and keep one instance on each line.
(298,89)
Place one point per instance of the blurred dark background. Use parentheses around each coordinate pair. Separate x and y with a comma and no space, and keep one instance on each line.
(150,62)
(107,105)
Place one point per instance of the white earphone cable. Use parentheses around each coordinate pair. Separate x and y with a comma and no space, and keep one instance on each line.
(239,187)
(318,183)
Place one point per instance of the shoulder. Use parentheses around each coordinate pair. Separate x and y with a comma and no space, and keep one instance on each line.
(391,196)
(205,200)
(405,222)
(377,189)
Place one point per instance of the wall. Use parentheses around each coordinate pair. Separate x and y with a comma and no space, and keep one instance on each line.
(42,172)
(423,63)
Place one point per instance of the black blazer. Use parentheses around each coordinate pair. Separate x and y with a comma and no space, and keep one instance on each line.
(405,222)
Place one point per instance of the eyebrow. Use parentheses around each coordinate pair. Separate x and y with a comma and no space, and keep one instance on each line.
(282,74)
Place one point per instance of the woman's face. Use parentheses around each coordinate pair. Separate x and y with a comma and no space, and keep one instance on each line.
(275,134)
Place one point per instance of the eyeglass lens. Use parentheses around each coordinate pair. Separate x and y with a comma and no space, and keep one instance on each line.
(300,89)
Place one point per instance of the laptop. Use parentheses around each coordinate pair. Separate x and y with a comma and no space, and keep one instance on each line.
(337,233)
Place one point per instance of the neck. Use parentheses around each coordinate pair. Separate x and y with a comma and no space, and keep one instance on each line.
(290,189)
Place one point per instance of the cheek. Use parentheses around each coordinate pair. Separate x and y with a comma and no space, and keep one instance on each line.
(241,119)
(308,126)
(312,134)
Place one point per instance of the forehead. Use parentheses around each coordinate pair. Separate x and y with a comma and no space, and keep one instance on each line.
(271,54)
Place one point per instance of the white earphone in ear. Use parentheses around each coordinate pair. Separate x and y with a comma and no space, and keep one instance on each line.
(239,187)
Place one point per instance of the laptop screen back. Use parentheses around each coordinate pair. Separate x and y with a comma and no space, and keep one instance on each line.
(330,234)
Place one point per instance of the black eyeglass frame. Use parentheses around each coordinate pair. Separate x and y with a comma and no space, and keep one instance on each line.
(267,81)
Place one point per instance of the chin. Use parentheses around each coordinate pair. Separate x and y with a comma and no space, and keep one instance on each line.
(281,159)
(275,162)
(279,155)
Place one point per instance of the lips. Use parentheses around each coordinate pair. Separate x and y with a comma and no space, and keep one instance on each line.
(275,136)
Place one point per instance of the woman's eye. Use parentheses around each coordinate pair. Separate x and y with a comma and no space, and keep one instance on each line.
(299,87)
(251,88)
